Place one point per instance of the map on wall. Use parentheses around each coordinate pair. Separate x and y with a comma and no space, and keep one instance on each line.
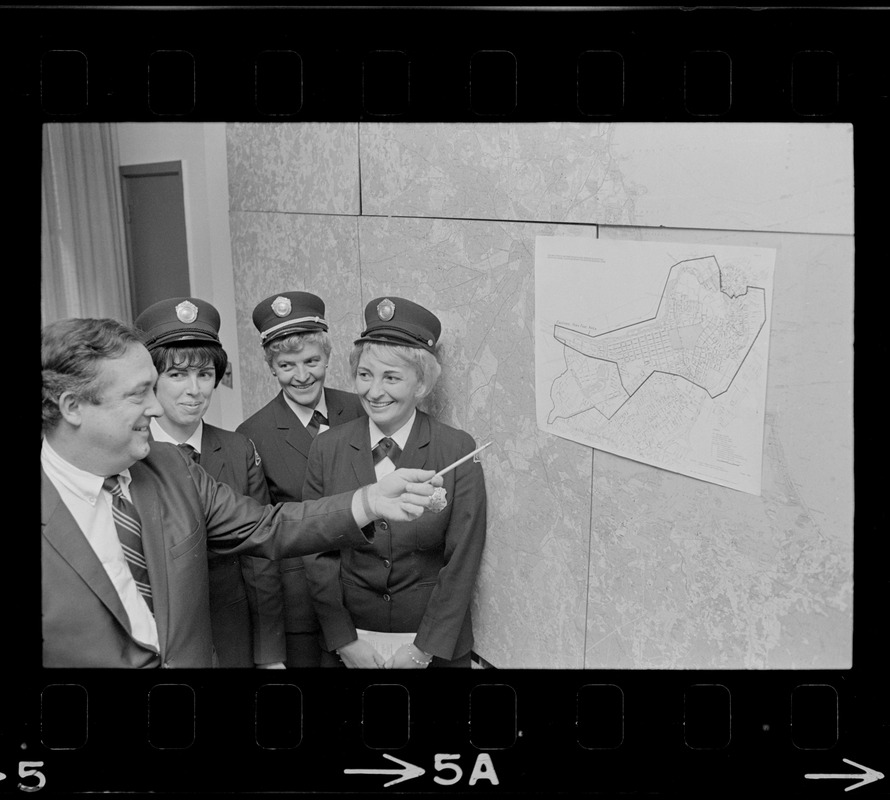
(656,352)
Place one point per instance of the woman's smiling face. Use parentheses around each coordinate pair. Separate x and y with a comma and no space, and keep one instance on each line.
(184,393)
(388,388)
(301,374)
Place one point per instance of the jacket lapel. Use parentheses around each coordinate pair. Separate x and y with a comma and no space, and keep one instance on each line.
(211,447)
(416,448)
(146,499)
(66,537)
(362,462)
(295,433)
(335,408)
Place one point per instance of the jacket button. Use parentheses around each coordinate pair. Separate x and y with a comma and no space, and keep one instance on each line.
(383,525)
(387,598)
(387,563)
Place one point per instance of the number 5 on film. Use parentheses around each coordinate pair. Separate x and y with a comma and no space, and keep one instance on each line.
(28,769)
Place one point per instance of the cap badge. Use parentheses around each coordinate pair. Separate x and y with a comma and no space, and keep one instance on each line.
(386,309)
(186,311)
(281,306)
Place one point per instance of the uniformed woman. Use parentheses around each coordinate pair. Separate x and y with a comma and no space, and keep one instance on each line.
(402,601)
(297,348)
(181,335)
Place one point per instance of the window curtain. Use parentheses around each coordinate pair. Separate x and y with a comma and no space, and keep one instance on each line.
(84,270)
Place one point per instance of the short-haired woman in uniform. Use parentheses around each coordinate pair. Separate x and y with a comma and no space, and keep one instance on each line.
(181,335)
(411,589)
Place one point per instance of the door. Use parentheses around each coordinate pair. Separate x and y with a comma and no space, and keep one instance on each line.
(154,213)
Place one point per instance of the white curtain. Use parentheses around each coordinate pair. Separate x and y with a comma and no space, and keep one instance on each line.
(84,270)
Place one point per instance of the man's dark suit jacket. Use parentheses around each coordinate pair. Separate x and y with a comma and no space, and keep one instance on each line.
(283,444)
(184,512)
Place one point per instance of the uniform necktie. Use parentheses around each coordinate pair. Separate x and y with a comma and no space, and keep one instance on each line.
(318,419)
(129,531)
(190,451)
(386,447)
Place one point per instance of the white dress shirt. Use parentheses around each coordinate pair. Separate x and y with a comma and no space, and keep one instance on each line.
(400,437)
(160,435)
(90,505)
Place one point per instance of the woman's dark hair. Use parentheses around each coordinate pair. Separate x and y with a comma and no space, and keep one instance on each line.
(172,356)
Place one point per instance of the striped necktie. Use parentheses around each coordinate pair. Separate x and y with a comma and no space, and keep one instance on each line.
(129,531)
(318,419)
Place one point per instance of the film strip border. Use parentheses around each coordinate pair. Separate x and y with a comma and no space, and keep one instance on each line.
(607,732)
(481,64)
(678,733)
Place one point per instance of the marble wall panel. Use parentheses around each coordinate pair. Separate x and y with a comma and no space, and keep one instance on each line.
(773,177)
(478,277)
(685,574)
(309,168)
(294,252)
(592,560)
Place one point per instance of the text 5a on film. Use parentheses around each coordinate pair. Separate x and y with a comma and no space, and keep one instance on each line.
(483,769)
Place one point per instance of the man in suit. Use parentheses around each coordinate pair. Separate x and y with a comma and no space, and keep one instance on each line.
(126,522)
(182,336)
(297,349)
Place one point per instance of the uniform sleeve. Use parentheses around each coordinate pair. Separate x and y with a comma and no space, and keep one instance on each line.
(256,478)
(323,569)
(450,600)
(262,580)
(239,525)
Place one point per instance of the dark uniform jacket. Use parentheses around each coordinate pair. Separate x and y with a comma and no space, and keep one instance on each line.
(246,622)
(415,576)
(183,512)
(283,444)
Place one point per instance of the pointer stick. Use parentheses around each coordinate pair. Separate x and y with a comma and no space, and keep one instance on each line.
(459,462)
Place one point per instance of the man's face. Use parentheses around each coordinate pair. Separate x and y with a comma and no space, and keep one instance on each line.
(114,432)
(301,375)
(184,393)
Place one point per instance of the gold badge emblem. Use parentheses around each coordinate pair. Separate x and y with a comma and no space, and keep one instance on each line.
(186,311)
(386,309)
(281,306)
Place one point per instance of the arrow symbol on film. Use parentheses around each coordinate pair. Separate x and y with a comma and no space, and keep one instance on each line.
(405,773)
(868,776)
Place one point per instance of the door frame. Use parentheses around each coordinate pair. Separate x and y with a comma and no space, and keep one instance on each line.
(154,169)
